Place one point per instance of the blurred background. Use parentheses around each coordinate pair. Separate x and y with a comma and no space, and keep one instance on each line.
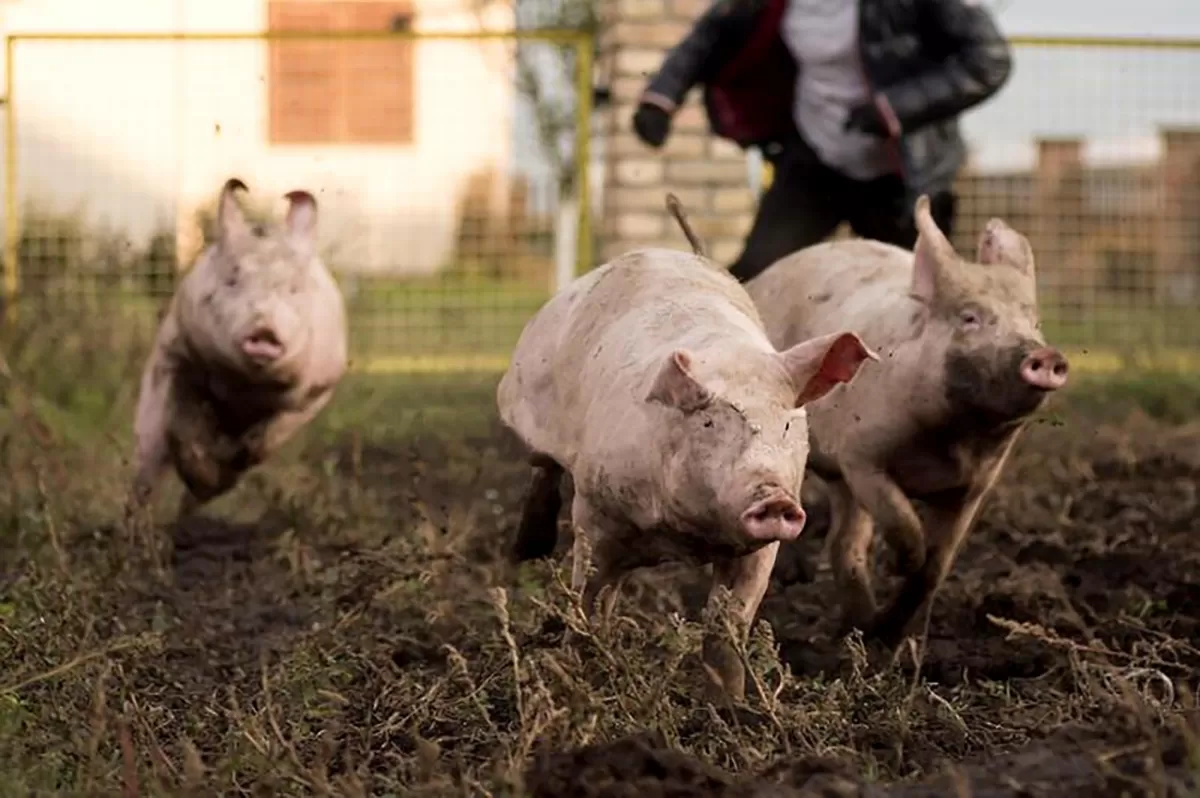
(449,155)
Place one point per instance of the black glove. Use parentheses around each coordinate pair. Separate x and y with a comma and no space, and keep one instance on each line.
(866,119)
(651,123)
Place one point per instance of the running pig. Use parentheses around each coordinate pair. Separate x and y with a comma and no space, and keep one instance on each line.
(652,382)
(963,367)
(249,351)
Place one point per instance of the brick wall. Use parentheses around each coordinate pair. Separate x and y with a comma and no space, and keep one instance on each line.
(1179,219)
(708,175)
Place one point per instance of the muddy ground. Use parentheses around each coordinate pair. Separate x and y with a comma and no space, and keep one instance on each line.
(342,625)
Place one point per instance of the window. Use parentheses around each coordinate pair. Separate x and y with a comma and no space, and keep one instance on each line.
(339,92)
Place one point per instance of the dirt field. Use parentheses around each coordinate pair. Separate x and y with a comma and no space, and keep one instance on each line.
(342,625)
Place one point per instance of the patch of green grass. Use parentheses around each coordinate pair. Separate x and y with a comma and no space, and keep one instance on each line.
(403,405)
(1169,397)
(1120,324)
(438,316)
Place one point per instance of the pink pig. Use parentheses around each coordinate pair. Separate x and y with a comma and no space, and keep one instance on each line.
(250,350)
(963,368)
(652,382)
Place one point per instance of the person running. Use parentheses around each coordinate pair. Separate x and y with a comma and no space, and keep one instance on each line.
(854,103)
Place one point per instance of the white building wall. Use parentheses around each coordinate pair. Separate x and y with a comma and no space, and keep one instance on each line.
(139,134)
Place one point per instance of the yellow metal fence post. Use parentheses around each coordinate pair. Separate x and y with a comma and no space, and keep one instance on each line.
(12,226)
(583,153)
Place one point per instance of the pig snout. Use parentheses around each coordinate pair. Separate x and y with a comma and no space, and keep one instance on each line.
(776,517)
(263,345)
(1045,369)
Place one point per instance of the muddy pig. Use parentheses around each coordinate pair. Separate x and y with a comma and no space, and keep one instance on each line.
(963,367)
(251,348)
(651,381)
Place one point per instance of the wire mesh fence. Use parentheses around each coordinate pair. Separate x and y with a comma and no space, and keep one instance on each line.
(1092,150)
(440,162)
(438,204)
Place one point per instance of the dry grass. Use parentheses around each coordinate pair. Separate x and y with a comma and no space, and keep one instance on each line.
(342,625)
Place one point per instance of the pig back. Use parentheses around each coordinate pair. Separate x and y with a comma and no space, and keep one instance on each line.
(857,284)
(589,356)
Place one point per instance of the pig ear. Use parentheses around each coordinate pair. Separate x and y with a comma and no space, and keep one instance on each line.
(817,365)
(1000,244)
(302,218)
(231,222)
(931,253)
(675,386)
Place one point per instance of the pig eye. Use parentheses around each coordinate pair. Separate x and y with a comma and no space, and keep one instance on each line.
(969,318)
(708,424)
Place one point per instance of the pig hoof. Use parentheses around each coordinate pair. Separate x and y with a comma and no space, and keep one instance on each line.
(858,612)
(880,655)
(726,674)
(885,632)
(727,687)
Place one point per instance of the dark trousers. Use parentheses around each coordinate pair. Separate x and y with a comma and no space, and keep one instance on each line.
(807,200)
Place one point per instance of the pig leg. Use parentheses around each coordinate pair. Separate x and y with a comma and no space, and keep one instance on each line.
(152,416)
(595,546)
(608,573)
(199,468)
(152,455)
(211,464)
(849,550)
(746,578)
(950,521)
(538,531)
(280,429)
(208,461)
(892,512)
(581,560)
(152,460)
(948,526)
(193,440)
